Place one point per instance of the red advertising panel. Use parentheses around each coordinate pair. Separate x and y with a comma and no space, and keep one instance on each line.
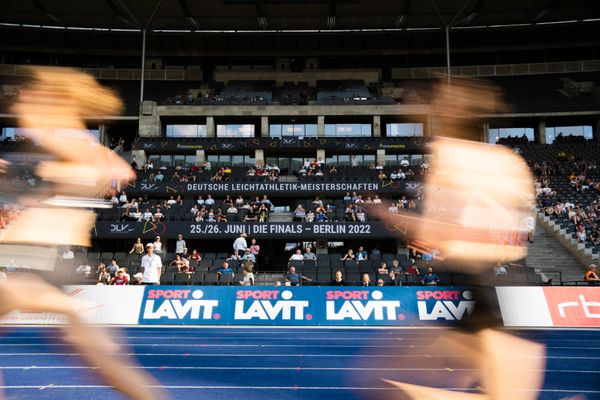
(574,306)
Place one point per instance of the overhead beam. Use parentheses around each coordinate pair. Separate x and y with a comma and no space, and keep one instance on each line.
(545,11)
(45,11)
(331,15)
(403,16)
(188,14)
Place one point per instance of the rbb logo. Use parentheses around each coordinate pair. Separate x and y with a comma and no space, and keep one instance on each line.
(447,305)
(357,306)
(574,306)
(178,305)
(262,306)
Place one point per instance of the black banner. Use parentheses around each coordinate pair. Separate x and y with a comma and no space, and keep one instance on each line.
(273,188)
(224,145)
(279,230)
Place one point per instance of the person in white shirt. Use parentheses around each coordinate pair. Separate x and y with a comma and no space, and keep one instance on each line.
(171,201)
(147,215)
(180,245)
(240,245)
(68,254)
(209,200)
(404,162)
(157,245)
(297,256)
(232,209)
(152,265)
(123,198)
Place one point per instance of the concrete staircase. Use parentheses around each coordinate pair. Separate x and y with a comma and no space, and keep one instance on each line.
(547,254)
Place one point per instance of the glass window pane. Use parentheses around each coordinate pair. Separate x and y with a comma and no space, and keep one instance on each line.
(275,130)
(368,159)
(237,161)
(403,129)
(365,130)
(311,130)
(186,130)
(344,159)
(214,160)
(178,160)
(501,133)
(190,160)
(391,159)
(167,161)
(330,130)
(249,161)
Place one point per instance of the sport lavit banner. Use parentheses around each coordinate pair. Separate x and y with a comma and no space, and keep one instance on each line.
(550,306)
(307,305)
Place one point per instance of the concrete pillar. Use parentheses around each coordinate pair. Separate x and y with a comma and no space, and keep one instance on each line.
(149,123)
(200,157)
(321,155)
(210,127)
(264,126)
(540,133)
(380,158)
(428,131)
(321,126)
(102,139)
(485,132)
(259,157)
(139,156)
(376,126)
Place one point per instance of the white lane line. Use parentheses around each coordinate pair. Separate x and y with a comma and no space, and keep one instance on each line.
(284,388)
(297,369)
(291,355)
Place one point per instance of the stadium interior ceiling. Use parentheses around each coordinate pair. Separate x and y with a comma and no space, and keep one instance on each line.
(341,33)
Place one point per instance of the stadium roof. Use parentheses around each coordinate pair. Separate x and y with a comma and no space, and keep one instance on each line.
(262,25)
(293,14)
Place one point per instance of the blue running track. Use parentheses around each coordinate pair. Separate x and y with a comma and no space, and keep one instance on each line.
(263,363)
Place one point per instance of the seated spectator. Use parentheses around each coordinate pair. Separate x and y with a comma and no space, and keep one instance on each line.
(121,278)
(225,270)
(309,255)
(247,277)
(380,282)
(251,216)
(159,177)
(377,199)
(299,213)
(500,269)
(158,215)
(430,278)
(591,275)
(294,279)
(350,213)
(104,277)
(338,280)
(147,216)
(321,217)
(361,216)
(349,255)
(178,262)
(84,269)
(383,269)
(248,256)
(185,267)
(112,267)
(366,280)
(233,257)
(232,210)
(195,256)
(157,245)
(209,200)
(413,269)
(297,256)
(396,268)
(310,216)
(333,170)
(200,200)
(396,279)
(220,217)
(137,279)
(239,202)
(382,176)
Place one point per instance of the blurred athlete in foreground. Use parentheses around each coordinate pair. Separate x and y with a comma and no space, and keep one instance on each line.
(475,202)
(55,104)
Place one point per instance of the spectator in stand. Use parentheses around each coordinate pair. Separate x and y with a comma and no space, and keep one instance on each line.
(195,256)
(123,198)
(138,247)
(430,278)
(251,215)
(255,250)
(112,267)
(413,269)
(294,279)
(366,280)
(180,245)
(396,279)
(333,170)
(178,262)
(157,245)
(240,244)
(361,216)
(225,270)
(591,275)
(137,279)
(121,278)
(396,268)
(310,216)
(209,200)
(383,269)
(500,269)
(248,256)
(309,255)
(200,200)
(349,255)
(297,256)
(104,277)
(380,282)
(152,266)
(338,280)
(158,215)
(159,177)
(350,213)
(68,254)
(239,202)
(248,278)
(321,217)
(147,216)
(299,213)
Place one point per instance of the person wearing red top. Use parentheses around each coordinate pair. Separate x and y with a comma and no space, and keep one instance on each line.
(121,278)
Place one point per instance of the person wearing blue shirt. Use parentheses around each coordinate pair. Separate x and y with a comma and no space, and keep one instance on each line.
(361,254)
(430,278)
(294,279)
(225,270)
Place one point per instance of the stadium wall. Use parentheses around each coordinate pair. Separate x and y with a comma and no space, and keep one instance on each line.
(320,306)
